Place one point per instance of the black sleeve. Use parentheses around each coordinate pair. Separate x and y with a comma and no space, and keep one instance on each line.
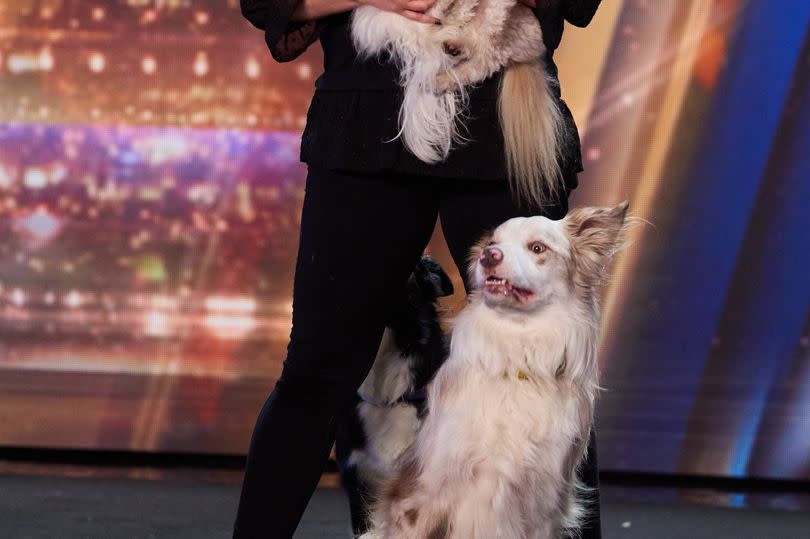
(579,12)
(285,38)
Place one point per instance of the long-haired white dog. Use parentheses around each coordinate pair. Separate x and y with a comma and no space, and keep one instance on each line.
(510,411)
(476,38)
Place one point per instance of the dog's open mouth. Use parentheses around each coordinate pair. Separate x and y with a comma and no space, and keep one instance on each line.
(499,285)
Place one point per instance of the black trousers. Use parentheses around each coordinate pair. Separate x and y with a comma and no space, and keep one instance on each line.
(360,238)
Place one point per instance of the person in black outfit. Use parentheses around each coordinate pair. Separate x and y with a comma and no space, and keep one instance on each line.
(369,210)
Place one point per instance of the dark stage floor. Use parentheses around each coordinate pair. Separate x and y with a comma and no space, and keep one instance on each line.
(54,507)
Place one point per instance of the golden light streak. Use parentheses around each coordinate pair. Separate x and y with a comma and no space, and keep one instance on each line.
(581,59)
(653,171)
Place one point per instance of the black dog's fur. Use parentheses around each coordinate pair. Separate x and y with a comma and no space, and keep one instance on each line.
(415,327)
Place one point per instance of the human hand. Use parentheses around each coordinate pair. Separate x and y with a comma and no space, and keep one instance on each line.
(415,10)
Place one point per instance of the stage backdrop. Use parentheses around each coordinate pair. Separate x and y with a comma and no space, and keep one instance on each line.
(150,193)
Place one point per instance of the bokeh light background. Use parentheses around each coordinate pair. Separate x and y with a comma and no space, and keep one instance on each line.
(150,193)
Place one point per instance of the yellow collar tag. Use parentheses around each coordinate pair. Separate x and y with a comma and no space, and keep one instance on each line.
(522,375)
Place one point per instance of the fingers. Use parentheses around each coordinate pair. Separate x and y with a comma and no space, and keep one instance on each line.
(420,17)
(415,10)
(420,6)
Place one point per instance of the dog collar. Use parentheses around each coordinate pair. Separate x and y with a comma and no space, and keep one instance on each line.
(406,399)
(520,374)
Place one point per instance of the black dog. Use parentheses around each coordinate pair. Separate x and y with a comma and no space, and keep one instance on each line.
(390,404)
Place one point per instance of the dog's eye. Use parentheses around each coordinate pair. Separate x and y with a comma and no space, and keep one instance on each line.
(490,244)
(537,247)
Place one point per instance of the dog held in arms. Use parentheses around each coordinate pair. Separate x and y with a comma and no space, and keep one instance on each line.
(475,40)
(390,405)
(509,411)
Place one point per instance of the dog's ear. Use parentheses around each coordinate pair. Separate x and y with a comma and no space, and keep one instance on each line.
(413,291)
(428,281)
(445,287)
(599,230)
(442,285)
(475,253)
(596,235)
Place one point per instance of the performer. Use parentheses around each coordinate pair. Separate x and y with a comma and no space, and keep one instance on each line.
(369,210)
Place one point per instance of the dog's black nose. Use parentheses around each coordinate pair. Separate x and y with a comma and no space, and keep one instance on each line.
(491,257)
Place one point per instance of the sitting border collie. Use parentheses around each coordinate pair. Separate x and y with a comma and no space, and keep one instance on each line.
(390,405)
(510,410)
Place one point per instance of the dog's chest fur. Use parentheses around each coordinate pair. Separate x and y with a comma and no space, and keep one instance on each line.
(502,390)
(388,430)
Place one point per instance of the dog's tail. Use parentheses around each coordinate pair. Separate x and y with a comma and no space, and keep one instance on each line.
(532,130)
(427,118)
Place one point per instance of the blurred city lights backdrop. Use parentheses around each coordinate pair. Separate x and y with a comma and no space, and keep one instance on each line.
(150,193)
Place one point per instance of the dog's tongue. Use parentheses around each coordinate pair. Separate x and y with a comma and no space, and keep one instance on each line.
(521,291)
(517,291)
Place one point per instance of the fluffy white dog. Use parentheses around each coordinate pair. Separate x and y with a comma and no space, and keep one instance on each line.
(510,411)
(476,38)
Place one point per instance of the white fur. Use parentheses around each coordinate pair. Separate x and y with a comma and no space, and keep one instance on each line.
(427,117)
(389,430)
(511,408)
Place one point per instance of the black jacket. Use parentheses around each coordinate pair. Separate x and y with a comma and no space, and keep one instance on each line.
(353,114)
